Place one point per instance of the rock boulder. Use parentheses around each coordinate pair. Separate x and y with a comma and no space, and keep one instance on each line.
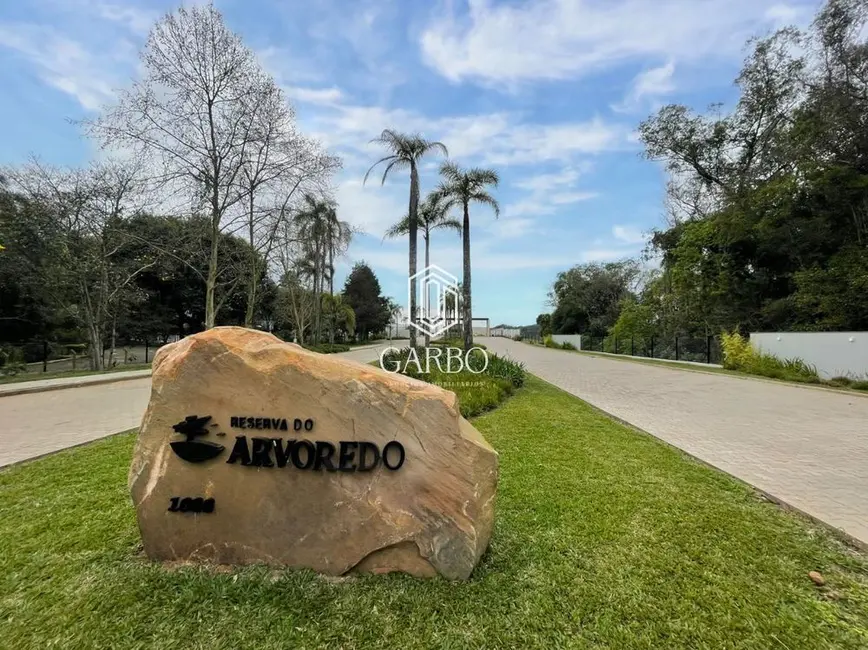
(255,450)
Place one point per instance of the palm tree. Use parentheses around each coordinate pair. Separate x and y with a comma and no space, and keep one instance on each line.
(462,187)
(315,220)
(338,236)
(405,152)
(340,314)
(432,216)
(452,309)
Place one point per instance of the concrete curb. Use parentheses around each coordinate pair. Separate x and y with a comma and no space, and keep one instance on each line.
(77,382)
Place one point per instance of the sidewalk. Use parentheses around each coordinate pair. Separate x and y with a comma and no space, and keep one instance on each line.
(42,385)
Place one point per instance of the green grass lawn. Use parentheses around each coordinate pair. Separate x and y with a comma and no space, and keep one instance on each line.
(33,376)
(604,538)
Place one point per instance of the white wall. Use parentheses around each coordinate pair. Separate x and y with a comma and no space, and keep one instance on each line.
(575,339)
(834,354)
(505,331)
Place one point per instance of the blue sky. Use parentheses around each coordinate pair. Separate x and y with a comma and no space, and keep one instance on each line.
(548,92)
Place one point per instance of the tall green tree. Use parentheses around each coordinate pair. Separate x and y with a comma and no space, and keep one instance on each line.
(362,293)
(587,298)
(433,215)
(769,204)
(461,187)
(406,152)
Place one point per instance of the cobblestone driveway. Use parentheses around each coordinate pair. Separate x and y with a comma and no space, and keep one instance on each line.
(805,446)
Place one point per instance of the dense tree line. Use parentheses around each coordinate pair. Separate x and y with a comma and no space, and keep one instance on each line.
(767,205)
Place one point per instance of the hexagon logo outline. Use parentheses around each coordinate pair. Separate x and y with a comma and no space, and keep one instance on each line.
(432,320)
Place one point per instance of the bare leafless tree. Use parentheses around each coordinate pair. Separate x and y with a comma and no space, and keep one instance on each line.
(281,166)
(196,119)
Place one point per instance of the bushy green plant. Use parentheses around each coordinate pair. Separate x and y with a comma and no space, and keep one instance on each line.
(566,345)
(476,393)
(737,351)
(549,342)
(12,361)
(739,354)
(517,337)
(506,368)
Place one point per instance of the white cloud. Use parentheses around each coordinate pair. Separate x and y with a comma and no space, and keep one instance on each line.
(371,208)
(546,182)
(648,85)
(321,96)
(62,62)
(629,234)
(564,198)
(563,39)
(548,192)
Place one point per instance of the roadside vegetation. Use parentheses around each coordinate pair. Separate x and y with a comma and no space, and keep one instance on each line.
(604,537)
(767,208)
(478,390)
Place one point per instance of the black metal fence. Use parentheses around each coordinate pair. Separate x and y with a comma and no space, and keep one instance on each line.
(39,356)
(679,348)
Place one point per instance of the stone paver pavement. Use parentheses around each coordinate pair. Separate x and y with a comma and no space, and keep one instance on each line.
(34,424)
(805,446)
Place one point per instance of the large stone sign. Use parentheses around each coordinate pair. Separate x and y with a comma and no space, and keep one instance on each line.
(256,450)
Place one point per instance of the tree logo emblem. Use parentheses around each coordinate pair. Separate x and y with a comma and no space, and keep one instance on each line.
(191,450)
(436,284)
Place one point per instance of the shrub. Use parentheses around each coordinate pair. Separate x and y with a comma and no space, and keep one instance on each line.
(739,354)
(860,385)
(476,393)
(549,342)
(505,368)
(566,345)
(12,361)
(517,337)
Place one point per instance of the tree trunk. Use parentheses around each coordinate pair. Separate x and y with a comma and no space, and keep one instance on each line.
(317,299)
(251,289)
(95,341)
(113,339)
(211,281)
(468,311)
(413,212)
(427,236)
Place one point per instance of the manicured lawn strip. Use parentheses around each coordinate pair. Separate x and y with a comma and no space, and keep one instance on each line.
(604,538)
(34,376)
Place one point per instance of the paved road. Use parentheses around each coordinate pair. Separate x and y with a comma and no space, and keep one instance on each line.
(39,423)
(35,424)
(805,446)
